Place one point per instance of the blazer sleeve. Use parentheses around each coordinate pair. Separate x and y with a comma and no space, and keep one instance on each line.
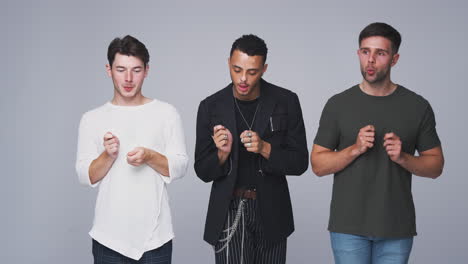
(292,157)
(206,162)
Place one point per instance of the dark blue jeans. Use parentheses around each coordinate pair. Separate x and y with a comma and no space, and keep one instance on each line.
(105,255)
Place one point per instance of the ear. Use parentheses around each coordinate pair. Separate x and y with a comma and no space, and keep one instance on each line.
(146,70)
(229,62)
(395,59)
(265,67)
(108,70)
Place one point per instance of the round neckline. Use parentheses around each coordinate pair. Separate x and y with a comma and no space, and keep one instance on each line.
(247,102)
(130,107)
(379,97)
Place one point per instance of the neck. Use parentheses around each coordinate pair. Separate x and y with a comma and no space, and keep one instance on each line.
(384,88)
(133,101)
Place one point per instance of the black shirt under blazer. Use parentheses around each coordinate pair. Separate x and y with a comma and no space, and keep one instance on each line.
(279,108)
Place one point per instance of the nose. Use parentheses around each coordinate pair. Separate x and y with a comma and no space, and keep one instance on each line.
(371,58)
(243,77)
(129,76)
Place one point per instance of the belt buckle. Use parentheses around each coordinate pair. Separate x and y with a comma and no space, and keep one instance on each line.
(249,193)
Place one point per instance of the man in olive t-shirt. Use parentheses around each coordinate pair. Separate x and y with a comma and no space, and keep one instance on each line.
(367,138)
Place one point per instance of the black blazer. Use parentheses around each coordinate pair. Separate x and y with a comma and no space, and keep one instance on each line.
(279,122)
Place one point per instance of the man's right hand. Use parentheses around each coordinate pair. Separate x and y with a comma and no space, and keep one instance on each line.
(222,138)
(365,140)
(111,145)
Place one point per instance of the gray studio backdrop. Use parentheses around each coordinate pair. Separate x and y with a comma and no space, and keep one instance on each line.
(54,71)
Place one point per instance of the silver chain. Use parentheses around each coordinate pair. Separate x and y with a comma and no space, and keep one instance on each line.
(230,230)
(253,119)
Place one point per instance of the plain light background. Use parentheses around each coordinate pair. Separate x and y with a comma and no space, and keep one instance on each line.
(52,69)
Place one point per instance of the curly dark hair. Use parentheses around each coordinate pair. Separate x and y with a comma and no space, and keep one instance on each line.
(250,45)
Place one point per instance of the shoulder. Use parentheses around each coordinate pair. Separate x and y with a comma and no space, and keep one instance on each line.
(343,96)
(96,114)
(163,107)
(218,97)
(278,91)
(412,97)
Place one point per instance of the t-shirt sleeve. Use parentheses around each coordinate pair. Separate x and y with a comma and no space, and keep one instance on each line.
(87,151)
(328,131)
(175,151)
(427,136)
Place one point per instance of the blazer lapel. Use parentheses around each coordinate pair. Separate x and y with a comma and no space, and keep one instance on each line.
(268,103)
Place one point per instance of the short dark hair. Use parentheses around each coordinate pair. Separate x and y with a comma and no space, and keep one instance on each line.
(250,45)
(129,46)
(382,30)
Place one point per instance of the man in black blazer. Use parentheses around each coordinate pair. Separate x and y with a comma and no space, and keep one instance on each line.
(250,135)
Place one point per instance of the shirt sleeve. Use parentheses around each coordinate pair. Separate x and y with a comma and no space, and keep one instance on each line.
(328,132)
(427,136)
(87,151)
(175,151)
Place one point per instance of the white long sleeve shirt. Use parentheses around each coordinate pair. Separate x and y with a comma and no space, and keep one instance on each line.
(132,213)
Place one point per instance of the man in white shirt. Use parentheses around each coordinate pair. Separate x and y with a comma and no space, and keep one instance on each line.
(131,147)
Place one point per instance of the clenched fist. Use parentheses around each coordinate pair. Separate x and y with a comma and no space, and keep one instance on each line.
(365,139)
(252,142)
(222,138)
(138,156)
(111,145)
(392,144)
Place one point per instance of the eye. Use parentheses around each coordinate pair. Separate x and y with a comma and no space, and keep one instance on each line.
(252,72)
(381,53)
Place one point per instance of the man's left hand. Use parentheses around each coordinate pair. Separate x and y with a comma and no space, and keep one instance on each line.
(392,144)
(138,156)
(252,142)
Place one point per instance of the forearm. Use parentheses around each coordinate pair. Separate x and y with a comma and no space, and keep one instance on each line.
(330,162)
(222,157)
(429,166)
(158,162)
(266,150)
(100,167)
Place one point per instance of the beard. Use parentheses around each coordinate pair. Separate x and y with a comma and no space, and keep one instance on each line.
(378,77)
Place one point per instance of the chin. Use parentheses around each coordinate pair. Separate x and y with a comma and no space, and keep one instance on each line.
(243,93)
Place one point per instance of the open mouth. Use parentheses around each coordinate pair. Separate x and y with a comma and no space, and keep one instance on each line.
(370,71)
(243,87)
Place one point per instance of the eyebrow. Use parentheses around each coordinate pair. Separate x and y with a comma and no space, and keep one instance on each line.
(365,48)
(123,67)
(253,69)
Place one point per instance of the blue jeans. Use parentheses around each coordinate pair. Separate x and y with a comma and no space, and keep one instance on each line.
(353,249)
(105,255)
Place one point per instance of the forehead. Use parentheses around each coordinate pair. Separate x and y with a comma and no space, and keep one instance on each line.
(127,61)
(376,42)
(243,60)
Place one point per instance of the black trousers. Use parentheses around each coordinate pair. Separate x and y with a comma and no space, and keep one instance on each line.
(247,244)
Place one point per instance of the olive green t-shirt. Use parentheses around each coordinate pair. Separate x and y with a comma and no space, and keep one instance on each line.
(372,195)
